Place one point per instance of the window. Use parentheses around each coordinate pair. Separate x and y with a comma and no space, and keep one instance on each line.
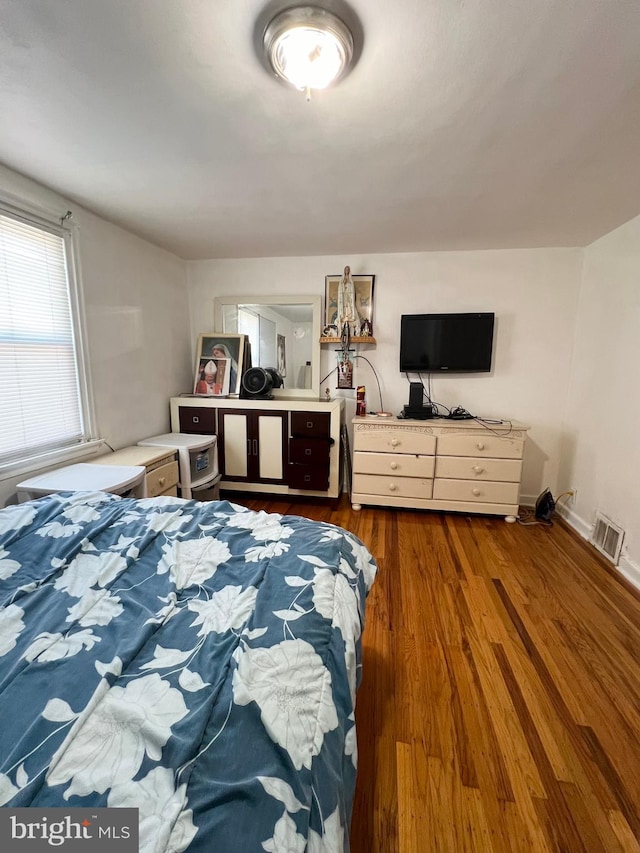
(248,324)
(43,392)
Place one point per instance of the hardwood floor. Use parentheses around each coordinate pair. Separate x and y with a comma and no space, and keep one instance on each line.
(500,704)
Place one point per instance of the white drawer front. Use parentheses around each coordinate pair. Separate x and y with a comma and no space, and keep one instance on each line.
(480,445)
(396,464)
(466,468)
(406,487)
(394,440)
(480,492)
(161,479)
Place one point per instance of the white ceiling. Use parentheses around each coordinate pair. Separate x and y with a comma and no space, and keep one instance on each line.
(464,124)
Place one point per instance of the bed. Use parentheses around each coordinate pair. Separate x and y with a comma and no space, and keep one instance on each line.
(197,661)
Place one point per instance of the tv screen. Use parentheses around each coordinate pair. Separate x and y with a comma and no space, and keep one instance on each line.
(459,343)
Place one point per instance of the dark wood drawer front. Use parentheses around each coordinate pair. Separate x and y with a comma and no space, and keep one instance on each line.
(309,451)
(198,420)
(308,477)
(310,424)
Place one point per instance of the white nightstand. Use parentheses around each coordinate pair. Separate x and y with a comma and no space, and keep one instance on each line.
(84,477)
(160,464)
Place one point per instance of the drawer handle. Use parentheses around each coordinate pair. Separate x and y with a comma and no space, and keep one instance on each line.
(392,487)
(480,445)
(307,451)
(394,442)
(195,419)
(162,480)
(309,424)
(393,466)
(478,469)
(477,492)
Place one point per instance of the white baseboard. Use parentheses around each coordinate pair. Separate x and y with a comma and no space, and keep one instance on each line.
(576,521)
(627,568)
(630,570)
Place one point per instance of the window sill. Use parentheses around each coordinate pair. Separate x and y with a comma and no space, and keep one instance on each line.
(54,459)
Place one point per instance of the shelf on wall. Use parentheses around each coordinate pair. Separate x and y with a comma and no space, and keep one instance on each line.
(355,339)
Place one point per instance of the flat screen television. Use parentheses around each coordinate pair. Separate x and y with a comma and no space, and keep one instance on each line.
(459,343)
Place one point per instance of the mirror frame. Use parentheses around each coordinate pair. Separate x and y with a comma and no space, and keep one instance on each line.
(315,303)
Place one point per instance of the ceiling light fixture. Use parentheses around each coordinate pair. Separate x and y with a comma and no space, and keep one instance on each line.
(308,47)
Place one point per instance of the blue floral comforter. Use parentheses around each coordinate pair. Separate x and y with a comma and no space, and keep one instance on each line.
(197,661)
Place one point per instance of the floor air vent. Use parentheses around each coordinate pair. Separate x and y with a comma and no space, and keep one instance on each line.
(607,537)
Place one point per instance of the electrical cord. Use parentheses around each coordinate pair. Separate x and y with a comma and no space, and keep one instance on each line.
(527,519)
(458,412)
(328,375)
(485,424)
(364,358)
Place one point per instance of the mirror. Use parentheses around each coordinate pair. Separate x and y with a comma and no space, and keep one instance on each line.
(284,332)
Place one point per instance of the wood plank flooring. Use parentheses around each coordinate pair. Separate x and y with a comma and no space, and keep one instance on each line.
(500,704)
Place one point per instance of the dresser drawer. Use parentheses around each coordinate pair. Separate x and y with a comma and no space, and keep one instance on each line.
(466,468)
(198,419)
(311,424)
(308,477)
(481,492)
(396,464)
(394,440)
(309,451)
(480,445)
(161,479)
(400,487)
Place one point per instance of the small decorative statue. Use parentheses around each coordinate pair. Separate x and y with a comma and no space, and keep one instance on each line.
(347,311)
(366,329)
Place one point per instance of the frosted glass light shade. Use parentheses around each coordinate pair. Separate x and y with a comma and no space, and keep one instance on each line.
(309,47)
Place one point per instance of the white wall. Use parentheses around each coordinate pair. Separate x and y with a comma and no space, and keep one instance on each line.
(567,342)
(137,320)
(534,294)
(601,448)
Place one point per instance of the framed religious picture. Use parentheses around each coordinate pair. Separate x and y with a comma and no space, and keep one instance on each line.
(213,376)
(281,354)
(349,301)
(217,347)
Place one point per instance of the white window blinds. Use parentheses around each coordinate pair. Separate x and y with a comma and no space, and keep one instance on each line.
(40,404)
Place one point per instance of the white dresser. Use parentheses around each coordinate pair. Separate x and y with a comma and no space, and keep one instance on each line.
(438,464)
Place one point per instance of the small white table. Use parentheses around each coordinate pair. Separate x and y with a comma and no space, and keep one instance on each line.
(197,456)
(84,477)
